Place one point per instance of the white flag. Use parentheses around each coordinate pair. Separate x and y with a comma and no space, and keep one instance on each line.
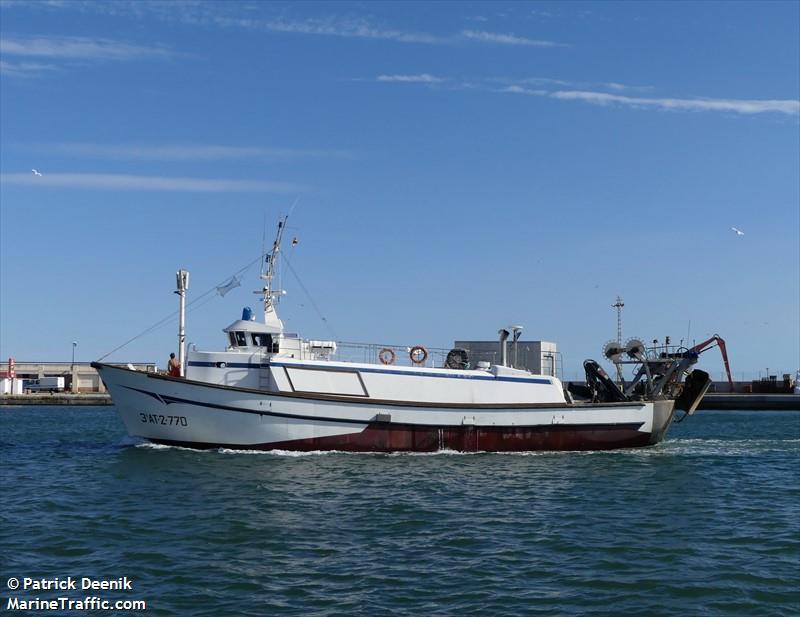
(232,284)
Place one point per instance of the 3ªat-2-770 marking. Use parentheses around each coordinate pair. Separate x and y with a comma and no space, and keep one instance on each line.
(154,418)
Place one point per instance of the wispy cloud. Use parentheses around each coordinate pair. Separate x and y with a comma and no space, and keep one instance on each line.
(260,16)
(60,51)
(739,106)
(521,90)
(25,69)
(538,81)
(148,183)
(424,78)
(361,29)
(549,88)
(355,28)
(79,48)
(507,39)
(335,27)
(180,152)
(572,84)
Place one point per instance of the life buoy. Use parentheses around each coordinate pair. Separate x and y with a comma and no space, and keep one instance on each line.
(418,354)
(386,356)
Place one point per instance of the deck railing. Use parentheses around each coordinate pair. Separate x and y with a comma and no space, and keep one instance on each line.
(398,355)
(434,357)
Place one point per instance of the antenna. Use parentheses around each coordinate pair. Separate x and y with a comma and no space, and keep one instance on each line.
(263,244)
(619,304)
(272,296)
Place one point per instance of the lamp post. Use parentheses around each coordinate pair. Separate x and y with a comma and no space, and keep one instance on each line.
(72,384)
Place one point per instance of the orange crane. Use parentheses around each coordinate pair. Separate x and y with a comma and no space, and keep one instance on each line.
(705,346)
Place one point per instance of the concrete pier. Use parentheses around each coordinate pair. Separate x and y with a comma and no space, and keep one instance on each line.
(757,402)
(60,398)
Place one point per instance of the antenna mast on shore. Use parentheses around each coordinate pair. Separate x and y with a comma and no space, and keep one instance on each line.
(619,304)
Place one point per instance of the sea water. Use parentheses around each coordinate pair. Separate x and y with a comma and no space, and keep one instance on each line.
(705,523)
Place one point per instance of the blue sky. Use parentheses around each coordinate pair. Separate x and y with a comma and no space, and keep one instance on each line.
(458,167)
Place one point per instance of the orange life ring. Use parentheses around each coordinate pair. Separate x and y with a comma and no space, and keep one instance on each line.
(418,354)
(386,356)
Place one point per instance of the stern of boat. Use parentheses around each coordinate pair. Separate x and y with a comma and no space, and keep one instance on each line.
(663,411)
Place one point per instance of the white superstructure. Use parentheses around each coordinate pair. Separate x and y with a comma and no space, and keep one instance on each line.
(261,356)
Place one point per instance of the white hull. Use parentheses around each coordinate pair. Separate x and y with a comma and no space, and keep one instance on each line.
(196,414)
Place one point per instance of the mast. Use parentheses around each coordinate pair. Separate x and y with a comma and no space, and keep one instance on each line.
(271,297)
(182,277)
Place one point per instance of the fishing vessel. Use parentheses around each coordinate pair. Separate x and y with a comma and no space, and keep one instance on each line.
(271,389)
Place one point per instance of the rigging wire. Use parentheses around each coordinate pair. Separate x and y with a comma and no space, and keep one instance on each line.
(310,299)
(193,305)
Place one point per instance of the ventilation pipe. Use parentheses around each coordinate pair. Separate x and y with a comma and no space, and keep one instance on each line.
(516,332)
(504,334)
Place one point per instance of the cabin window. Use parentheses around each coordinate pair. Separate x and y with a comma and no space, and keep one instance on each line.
(232,338)
(261,339)
(241,340)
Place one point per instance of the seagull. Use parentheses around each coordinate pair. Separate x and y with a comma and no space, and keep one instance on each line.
(36,173)
(738,233)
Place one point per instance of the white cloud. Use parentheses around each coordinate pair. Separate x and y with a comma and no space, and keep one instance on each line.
(521,86)
(507,39)
(544,81)
(199,13)
(359,28)
(342,28)
(521,90)
(571,84)
(180,152)
(741,106)
(24,69)
(78,48)
(424,78)
(618,87)
(148,183)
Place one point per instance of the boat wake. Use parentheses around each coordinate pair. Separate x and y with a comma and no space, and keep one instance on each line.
(680,447)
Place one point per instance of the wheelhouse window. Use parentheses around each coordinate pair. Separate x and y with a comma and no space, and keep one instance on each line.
(232,338)
(241,340)
(261,339)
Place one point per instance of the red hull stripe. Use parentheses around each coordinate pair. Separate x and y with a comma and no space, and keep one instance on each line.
(379,437)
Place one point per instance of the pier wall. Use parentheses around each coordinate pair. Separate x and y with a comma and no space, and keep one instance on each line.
(79,377)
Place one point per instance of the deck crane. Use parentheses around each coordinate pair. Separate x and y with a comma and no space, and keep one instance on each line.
(706,345)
